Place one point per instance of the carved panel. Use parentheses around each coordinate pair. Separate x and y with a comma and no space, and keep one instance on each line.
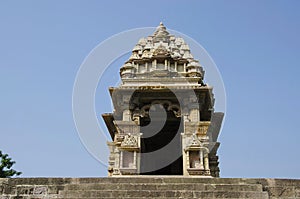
(130,141)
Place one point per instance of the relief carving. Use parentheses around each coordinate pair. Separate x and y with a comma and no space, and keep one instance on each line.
(129,141)
(194,141)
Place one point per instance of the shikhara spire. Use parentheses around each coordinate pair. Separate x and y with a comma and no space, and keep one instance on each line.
(162,53)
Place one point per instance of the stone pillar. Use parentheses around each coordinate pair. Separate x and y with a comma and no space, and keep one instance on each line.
(121,159)
(201,159)
(117,162)
(194,115)
(166,64)
(185,155)
(154,64)
(188,159)
(206,162)
(134,159)
(138,154)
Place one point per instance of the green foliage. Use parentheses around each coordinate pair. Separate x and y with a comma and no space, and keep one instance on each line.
(5,167)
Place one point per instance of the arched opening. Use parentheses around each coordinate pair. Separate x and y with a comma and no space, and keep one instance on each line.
(154,139)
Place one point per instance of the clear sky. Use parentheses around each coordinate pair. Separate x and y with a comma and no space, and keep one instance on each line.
(254,43)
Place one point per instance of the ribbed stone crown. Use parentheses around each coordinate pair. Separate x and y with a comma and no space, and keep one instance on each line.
(161,55)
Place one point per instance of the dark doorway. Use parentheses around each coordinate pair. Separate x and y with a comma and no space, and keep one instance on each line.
(153,141)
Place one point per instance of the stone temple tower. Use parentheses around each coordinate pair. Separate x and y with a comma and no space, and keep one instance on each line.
(163,121)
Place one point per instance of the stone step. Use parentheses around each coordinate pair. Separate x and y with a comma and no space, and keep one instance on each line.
(263,197)
(169,186)
(148,179)
(163,180)
(163,193)
(152,197)
(286,192)
(165,187)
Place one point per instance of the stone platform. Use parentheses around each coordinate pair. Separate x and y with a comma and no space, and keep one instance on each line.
(148,187)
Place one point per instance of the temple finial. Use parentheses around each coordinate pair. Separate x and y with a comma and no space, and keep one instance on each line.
(161,26)
(161,29)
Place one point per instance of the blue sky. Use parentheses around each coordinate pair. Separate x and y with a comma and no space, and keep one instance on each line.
(255,45)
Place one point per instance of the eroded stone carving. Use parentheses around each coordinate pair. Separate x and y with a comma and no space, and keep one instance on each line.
(195,142)
(40,190)
(129,141)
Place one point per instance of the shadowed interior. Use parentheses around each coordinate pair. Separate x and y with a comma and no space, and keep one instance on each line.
(161,139)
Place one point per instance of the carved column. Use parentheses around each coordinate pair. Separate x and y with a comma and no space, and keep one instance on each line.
(154,64)
(117,162)
(206,162)
(166,64)
(194,115)
(201,159)
(194,109)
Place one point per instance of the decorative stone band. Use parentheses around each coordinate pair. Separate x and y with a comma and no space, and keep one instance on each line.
(199,127)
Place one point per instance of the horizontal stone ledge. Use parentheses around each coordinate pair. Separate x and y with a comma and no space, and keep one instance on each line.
(150,178)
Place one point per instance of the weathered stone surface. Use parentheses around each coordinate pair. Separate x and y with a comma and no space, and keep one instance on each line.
(150,187)
(161,72)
